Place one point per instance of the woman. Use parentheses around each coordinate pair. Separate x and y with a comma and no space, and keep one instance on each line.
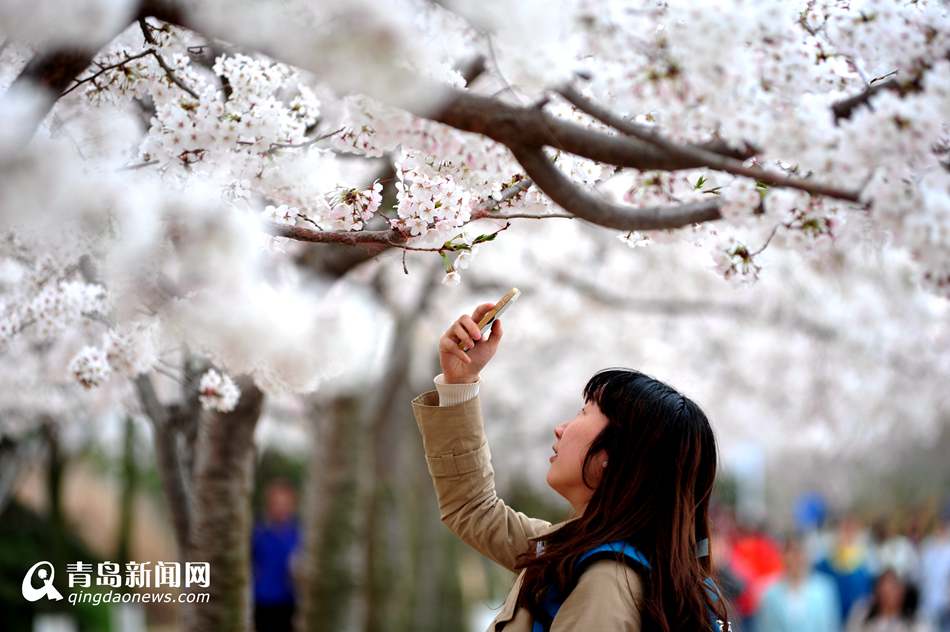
(892,607)
(637,464)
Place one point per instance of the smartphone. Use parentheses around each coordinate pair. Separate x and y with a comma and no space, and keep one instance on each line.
(486,322)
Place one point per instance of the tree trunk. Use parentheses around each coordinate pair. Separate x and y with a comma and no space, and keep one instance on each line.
(434,592)
(382,526)
(56,465)
(327,579)
(221,535)
(127,495)
(174,477)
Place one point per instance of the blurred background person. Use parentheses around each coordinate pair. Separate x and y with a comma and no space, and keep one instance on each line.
(757,561)
(274,542)
(892,607)
(802,599)
(935,571)
(847,563)
(729,582)
(893,549)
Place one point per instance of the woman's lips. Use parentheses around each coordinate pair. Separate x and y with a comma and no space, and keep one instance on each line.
(551,460)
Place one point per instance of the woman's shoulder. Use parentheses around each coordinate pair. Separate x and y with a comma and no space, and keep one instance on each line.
(607,597)
(612,576)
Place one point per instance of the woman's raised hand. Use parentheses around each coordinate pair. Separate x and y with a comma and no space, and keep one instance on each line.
(464,366)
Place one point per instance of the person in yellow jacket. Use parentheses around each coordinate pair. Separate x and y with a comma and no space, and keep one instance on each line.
(637,464)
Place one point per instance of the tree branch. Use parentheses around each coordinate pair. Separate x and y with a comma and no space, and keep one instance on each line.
(104,69)
(55,69)
(349,238)
(844,108)
(149,38)
(575,200)
(698,154)
(381,239)
(513,125)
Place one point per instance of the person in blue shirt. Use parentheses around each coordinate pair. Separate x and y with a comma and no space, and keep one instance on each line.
(274,541)
(801,599)
(847,565)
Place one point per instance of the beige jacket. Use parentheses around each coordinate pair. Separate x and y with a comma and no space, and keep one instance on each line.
(607,594)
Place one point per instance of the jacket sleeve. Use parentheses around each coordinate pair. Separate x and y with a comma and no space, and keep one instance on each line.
(607,597)
(459,462)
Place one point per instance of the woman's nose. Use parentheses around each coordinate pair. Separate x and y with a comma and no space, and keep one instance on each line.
(558,430)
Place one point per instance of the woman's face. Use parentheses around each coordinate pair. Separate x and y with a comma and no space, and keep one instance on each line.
(572,440)
(890,592)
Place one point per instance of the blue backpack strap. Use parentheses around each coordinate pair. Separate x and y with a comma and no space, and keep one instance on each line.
(609,550)
(553,600)
(713,591)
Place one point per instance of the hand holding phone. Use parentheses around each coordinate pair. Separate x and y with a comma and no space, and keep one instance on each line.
(489,318)
(459,365)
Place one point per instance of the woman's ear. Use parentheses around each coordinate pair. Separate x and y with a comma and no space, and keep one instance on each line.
(598,464)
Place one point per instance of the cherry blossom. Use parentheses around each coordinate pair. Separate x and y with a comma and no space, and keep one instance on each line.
(218,392)
(90,367)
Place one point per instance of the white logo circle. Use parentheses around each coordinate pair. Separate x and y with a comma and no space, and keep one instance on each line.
(30,593)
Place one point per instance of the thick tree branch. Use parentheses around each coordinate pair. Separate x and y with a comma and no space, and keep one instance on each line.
(513,125)
(349,238)
(575,200)
(697,154)
(845,108)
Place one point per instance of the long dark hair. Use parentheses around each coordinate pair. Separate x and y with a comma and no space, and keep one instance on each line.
(654,493)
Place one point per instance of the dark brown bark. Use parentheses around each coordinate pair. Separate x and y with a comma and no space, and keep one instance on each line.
(326,580)
(513,125)
(586,206)
(130,477)
(222,511)
(701,154)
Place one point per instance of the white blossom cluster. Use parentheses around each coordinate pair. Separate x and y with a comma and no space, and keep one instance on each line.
(350,209)
(90,367)
(217,391)
(128,353)
(39,301)
(428,200)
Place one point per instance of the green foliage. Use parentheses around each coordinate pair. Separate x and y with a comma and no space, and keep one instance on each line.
(27,537)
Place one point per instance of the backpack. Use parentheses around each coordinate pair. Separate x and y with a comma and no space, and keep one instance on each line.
(632,556)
